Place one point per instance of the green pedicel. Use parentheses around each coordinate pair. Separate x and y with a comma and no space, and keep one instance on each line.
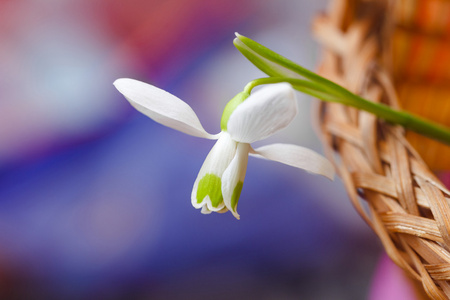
(230,107)
(210,185)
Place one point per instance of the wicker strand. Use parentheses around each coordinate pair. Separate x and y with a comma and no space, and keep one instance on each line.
(388,183)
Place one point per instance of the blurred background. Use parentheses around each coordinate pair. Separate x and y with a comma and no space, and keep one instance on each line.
(95,197)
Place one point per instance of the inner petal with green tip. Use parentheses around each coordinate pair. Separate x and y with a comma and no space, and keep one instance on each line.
(210,185)
(236,194)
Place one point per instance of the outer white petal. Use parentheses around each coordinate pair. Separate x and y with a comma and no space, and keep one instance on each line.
(162,107)
(215,163)
(298,157)
(233,177)
(265,112)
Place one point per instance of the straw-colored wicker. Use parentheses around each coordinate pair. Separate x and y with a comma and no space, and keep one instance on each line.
(380,50)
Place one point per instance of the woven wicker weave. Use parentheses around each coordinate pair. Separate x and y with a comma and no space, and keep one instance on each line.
(388,182)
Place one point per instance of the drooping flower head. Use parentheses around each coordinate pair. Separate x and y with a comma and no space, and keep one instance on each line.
(247,118)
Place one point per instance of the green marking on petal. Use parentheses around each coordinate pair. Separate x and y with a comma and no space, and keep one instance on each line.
(210,185)
(236,194)
(230,107)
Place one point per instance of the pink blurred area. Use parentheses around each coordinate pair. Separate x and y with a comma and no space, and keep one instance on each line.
(59,59)
(391,283)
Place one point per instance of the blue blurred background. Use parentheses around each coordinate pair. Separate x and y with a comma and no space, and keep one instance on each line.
(95,197)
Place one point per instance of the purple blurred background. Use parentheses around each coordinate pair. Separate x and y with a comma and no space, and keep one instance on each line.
(95,197)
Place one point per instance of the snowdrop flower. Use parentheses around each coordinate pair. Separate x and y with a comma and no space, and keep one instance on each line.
(246,119)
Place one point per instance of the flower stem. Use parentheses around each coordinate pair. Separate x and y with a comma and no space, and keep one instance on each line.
(282,69)
(406,119)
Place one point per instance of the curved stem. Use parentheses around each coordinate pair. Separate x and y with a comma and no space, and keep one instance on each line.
(406,119)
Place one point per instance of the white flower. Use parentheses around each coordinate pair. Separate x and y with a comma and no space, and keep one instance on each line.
(246,119)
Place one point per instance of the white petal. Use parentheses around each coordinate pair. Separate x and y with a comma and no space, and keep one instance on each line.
(162,107)
(207,188)
(265,112)
(205,210)
(298,157)
(233,178)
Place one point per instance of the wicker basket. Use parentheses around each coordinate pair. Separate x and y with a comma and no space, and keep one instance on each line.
(395,52)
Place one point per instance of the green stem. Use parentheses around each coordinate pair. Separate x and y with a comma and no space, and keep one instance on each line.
(266,59)
(406,119)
